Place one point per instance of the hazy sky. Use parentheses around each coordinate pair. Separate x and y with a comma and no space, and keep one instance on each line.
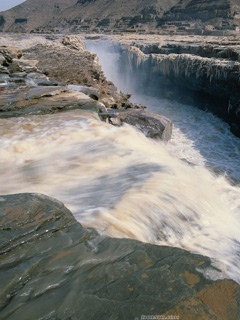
(7,4)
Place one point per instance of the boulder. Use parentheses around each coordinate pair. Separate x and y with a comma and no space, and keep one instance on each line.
(151,124)
(53,268)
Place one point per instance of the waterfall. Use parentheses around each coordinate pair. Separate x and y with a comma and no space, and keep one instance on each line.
(122,183)
(125,185)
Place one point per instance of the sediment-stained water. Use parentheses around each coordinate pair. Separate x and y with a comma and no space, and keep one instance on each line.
(122,183)
(126,185)
(198,136)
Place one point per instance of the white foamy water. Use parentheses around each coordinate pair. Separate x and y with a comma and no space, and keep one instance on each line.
(198,137)
(122,183)
(126,185)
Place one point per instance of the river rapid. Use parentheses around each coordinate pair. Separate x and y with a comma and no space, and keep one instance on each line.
(126,185)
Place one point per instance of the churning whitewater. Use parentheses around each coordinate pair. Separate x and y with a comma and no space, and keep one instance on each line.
(126,185)
(122,183)
(198,136)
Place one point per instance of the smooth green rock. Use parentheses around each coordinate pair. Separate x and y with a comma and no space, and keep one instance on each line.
(53,268)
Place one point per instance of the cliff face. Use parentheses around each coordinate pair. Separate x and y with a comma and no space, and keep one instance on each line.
(207,74)
(200,9)
(205,14)
(155,16)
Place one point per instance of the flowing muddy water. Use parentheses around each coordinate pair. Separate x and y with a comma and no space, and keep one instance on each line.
(198,136)
(126,185)
(122,183)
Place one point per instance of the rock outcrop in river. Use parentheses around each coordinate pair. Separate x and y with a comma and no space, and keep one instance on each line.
(53,268)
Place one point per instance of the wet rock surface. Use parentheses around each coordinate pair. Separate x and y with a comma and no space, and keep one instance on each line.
(67,60)
(53,268)
(30,92)
(56,75)
(151,124)
(43,100)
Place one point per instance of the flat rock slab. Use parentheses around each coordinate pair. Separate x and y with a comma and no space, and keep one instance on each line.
(151,124)
(53,268)
(42,100)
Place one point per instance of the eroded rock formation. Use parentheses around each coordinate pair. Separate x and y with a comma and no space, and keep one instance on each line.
(207,74)
(28,91)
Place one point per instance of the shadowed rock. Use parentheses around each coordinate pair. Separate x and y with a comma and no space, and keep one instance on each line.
(188,72)
(53,268)
(151,124)
(13,52)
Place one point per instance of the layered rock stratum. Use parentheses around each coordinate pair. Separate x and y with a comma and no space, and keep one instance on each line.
(75,81)
(200,70)
(174,16)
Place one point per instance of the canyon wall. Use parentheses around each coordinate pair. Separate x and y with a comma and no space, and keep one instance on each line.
(205,75)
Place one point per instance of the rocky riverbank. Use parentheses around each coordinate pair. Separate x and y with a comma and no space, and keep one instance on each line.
(48,75)
(53,268)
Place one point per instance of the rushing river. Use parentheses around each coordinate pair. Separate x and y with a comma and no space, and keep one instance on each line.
(126,185)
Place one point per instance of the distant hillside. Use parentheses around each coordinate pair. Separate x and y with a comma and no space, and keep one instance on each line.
(31,14)
(160,16)
(205,14)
